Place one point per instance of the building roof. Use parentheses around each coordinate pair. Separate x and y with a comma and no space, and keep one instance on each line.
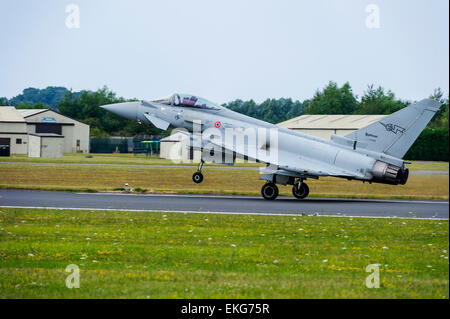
(30,112)
(349,122)
(10,114)
(46,134)
(177,137)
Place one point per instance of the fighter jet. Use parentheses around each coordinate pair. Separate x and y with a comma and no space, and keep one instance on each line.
(371,154)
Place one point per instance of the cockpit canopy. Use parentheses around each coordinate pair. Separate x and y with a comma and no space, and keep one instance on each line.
(188,100)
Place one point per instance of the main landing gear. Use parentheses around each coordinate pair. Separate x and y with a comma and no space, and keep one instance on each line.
(198,176)
(300,190)
(270,190)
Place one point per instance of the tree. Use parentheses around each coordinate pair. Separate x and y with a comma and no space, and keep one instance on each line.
(4,101)
(431,145)
(333,100)
(441,117)
(271,110)
(377,101)
(50,96)
(32,106)
(297,109)
(86,107)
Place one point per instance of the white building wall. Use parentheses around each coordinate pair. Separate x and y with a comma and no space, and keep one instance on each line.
(31,128)
(324,133)
(344,132)
(67,131)
(34,146)
(52,146)
(175,150)
(324,126)
(72,133)
(16,148)
(13,127)
(170,150)
(49,113)
(81,133)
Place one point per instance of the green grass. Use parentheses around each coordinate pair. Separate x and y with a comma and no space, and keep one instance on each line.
(173,255)
(428,166)
(130,159)
(217,181)
(80,158)
(119,159)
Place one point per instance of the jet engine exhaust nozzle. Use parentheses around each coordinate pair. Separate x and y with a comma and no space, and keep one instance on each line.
(389,174)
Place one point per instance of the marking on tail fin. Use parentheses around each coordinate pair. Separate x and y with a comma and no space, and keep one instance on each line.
(394,128)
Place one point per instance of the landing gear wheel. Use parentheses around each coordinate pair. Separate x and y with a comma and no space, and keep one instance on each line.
(300,192)
(269,191)
(197,177)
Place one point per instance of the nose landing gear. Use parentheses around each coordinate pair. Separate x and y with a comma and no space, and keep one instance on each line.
(197,177)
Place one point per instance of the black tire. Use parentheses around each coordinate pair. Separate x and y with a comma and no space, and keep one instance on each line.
(197,177)
(269,191)
(301,193)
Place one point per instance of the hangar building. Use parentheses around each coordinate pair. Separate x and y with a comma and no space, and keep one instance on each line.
(175,147)
(41,132)
(325,125)
(317,125)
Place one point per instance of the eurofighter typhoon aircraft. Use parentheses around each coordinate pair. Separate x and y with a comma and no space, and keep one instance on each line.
(373,153)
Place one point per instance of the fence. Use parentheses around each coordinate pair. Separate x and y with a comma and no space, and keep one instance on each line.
(124,145)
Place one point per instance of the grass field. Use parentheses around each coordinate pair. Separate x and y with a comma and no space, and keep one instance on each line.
(80,158)
(217,181)
(125,159)
(172,255)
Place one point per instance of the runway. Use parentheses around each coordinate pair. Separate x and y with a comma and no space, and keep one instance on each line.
(226,204)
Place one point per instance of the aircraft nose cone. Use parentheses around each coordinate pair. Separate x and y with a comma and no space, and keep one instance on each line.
(125,109)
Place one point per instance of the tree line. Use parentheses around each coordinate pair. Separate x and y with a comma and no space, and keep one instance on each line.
(332,99)
(84,106)
(432,144)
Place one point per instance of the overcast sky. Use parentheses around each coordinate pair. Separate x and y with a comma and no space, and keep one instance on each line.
(223,50)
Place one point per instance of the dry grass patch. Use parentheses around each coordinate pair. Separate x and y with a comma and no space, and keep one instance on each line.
(217,181)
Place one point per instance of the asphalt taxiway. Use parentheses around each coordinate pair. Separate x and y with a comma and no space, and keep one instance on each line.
(225,204)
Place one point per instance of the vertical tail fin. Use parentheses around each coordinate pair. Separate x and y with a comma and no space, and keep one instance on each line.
(395,134)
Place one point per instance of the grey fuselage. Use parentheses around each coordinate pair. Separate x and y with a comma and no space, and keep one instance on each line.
(293,147)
